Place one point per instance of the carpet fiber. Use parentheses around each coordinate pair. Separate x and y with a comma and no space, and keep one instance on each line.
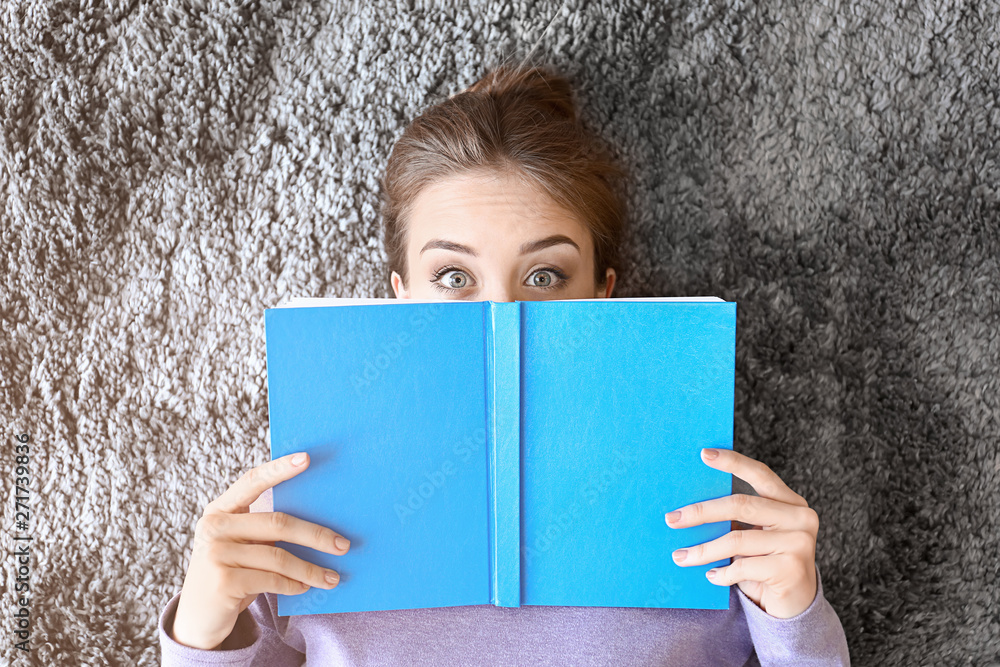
(168,170)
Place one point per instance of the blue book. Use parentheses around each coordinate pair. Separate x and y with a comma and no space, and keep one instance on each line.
(506,453)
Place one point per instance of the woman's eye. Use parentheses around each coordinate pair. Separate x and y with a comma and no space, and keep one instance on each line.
(456,279)
(453,279)
(550,278)
(545,278)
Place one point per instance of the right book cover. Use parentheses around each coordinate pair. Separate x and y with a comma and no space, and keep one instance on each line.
(617,399)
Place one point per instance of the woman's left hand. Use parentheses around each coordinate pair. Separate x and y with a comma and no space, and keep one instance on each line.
(774,563)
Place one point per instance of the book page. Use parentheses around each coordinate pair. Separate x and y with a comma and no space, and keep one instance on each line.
(306,302)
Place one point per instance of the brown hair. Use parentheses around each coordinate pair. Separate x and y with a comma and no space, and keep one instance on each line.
(516,122)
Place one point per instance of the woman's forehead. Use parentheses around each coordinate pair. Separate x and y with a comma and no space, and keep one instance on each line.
(478,206)
(472,190)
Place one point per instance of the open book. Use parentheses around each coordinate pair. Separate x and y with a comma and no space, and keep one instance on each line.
(507,453)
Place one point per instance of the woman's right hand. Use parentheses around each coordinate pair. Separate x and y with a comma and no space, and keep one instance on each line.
(234,558)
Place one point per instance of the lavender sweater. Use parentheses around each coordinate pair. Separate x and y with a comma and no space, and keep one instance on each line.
(529,635)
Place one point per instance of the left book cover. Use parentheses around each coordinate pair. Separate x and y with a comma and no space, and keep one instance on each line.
(376,394)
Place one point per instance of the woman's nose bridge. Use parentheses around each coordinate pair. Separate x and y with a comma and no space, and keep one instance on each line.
(500,296)
(499,292)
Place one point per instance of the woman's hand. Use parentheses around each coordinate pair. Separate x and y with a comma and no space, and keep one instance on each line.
(234,557)
(774,562)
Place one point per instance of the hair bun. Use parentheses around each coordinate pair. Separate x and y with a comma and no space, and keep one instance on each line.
(536,85)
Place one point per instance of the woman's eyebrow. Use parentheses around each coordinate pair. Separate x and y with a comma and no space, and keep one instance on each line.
(530,246)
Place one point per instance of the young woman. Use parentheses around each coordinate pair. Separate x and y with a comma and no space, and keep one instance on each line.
(498,193)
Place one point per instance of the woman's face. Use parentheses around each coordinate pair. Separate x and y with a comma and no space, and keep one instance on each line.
(477,237)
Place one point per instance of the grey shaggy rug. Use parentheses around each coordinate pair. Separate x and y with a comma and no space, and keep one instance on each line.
(168,170)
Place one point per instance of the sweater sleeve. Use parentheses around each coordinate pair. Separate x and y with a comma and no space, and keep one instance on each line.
(814,637)
(261,645)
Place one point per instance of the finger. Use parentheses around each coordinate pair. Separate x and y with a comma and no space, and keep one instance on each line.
(746,543)
(238,583)
(755,510)
(270,527)
(274,559)
(764,481)
(244,491)
(768,570)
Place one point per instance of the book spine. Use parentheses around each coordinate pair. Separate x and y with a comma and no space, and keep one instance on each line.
(503,335)
(490,440)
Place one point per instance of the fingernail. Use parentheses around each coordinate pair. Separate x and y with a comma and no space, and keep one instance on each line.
(332,577)
(674,516)
(680,555)
(710,454)
(298,459)
(342,543)
(711,574)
